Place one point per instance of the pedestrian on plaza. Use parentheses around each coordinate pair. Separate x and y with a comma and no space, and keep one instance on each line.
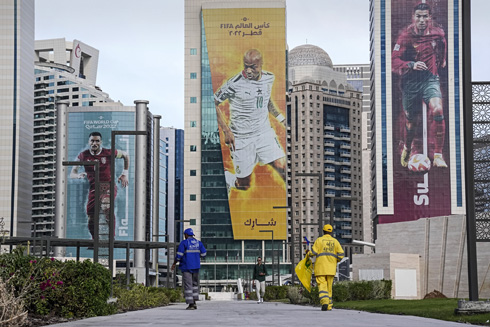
(328,253)
(259,279)
(189,256)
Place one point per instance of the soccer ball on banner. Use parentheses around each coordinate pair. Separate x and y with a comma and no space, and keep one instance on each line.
(419,163)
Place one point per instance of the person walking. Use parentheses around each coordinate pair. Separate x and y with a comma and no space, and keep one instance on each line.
(259,279)
(328,253)
(189,254)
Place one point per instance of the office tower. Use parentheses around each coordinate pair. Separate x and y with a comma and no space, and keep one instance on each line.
(174,140)
(359,77)
(236,222)
(324,136)
(64,70)
(16,120)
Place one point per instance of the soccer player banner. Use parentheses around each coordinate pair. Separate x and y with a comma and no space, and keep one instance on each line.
(425,110)
(89,139)
(246,48)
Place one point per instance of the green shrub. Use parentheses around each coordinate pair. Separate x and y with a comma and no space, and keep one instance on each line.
(295,296)
(341,292)
(275,293)
(252,296)
(174,294)
(140,297)
(344,291)
(86,289)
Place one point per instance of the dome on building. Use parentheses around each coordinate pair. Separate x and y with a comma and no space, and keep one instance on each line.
(308,54)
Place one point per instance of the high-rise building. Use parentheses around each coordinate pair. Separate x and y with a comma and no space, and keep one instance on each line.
(236,223)
(64,70)
(417,109)
(16,119)
(359,77)
(324,136)
(174,140)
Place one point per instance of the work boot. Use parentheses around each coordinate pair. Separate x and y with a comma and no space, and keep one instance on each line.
(325,307)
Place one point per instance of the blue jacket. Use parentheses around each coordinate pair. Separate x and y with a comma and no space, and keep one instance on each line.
(189,254)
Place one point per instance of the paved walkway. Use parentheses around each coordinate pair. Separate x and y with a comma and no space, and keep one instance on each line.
(249,313)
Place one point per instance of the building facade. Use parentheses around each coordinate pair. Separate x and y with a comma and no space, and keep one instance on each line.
(64,70)
(417,139)
(324,136)
(174,140)
(218,218)
(16,108)
(359,77)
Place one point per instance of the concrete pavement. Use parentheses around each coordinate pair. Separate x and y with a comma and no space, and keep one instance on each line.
(249,313)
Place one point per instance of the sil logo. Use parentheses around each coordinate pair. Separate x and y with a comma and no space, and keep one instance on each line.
(238,169)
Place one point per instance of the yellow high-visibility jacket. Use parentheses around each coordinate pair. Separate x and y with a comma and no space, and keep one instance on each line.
(328,252)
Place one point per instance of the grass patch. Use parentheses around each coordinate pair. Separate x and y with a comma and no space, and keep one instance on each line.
(442,309)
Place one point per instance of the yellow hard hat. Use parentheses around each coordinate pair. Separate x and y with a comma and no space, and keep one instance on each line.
(328,228)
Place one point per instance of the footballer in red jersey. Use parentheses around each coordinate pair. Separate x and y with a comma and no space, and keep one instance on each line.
(95,152)
(420,51)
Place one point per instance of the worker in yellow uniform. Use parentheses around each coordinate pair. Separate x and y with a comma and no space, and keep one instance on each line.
(328,253)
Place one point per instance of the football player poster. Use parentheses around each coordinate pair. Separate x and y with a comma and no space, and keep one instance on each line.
(246,49)
(420,110)
(89,139)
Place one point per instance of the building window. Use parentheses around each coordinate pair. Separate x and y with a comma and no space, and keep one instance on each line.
(193,172)
(193,51)
(192,197)
(193,148)
(193,123)
(193,99)
(193,75)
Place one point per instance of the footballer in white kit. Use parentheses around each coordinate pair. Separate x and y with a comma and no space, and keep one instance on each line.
(249,133)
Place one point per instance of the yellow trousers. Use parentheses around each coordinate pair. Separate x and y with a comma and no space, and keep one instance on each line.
(325,289)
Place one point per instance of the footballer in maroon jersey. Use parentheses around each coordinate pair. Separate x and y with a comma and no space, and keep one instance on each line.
(420,51)
(95,152)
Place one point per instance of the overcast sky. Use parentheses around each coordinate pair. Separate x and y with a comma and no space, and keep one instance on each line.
(141,43)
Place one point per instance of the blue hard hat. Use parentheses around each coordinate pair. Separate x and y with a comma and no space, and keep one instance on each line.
(189,232)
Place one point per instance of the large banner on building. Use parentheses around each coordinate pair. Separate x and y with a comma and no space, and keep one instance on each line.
(425,115)
(246,48)
(89,139)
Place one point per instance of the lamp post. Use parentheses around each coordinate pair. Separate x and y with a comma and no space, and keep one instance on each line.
(272,245)
(292,247)
(96,202)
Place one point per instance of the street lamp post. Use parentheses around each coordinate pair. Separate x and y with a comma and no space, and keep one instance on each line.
(292,248)
(272,244)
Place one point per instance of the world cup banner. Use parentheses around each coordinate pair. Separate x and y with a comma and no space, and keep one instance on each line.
(425,110)
(89,139)
(246,48)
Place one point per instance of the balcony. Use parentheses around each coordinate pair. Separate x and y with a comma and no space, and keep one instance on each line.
(345,179)
(345,146)
(345,210)
(330,177)
(329,127)
(345,129)
(345,171)
(330,144)
(345,154)
(330,169)
(329,152)
(329,135)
